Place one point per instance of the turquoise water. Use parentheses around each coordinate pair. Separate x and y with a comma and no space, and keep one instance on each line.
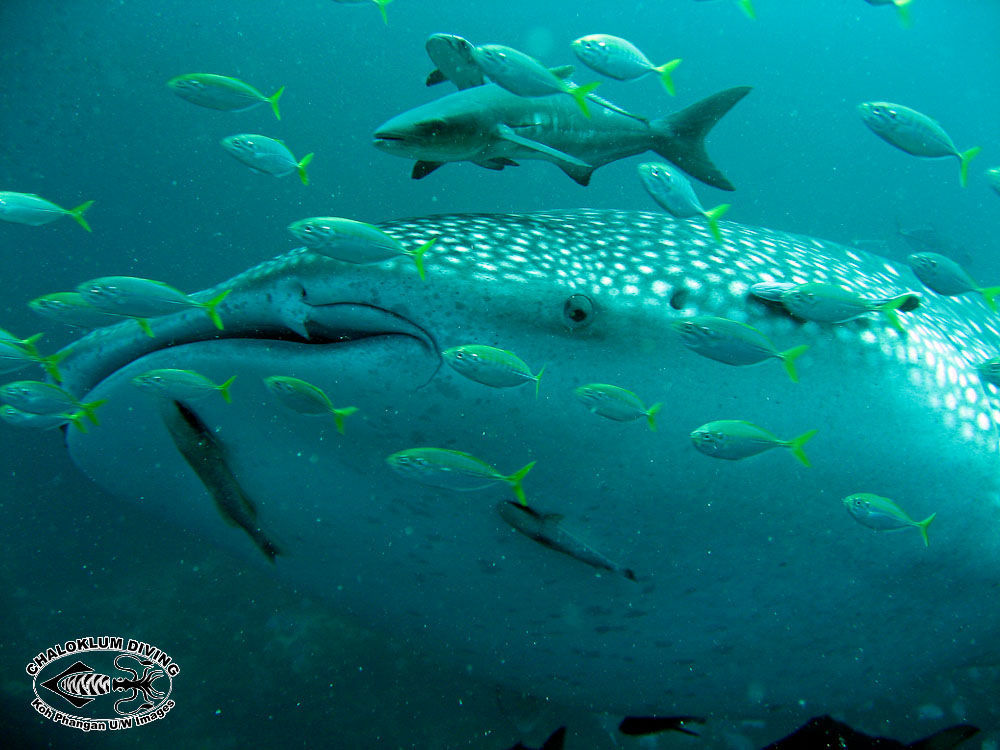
(86,116)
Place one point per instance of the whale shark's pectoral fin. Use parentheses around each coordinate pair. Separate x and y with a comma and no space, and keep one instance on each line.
(508,134)
(423,168)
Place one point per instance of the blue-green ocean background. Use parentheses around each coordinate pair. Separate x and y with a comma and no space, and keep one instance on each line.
(85,115)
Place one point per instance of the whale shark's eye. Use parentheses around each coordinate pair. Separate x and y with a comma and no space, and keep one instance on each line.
(578,311)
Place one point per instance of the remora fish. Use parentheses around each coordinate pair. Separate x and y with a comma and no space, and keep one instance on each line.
(207,458)
(492,127)
(593,293)
(547,530)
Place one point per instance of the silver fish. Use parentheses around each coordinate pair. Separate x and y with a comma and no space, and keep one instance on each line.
(915,133)
(492,128)
(266,155)
(620,59)
(548,530)
(594,294)
(944,276)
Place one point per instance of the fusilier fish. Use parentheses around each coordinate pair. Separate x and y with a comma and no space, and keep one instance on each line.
(380,4)
(733,439)
(35,397)
(734,343)
(943,275)
(70,308)
(524,76)
(915,133)
(306,398)
(144,298)
(745,5)
(493,128)
(548,530)
(902,8)
(354,241)
(616,403)
(620,59)
(33,210)
(882,514)
(10,338)
(829,303)
(18,418)
(491,366)
(674,194)
(183,385)
(266,155)
(453,470)
(993,178)
(222,92)
(14,357)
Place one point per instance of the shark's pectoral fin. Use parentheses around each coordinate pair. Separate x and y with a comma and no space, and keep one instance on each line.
(435,77)
(497,164)
(508,134)
(580,175)
(423,168)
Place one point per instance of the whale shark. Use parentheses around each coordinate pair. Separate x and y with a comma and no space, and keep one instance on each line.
(755,595)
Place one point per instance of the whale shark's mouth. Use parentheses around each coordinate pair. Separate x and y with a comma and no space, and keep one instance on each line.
(311,325)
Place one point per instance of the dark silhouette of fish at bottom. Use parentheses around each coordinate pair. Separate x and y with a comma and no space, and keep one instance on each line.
(819,733)
(207,457)
(824,732)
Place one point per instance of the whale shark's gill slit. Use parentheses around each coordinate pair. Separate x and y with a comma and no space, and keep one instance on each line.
(207,458)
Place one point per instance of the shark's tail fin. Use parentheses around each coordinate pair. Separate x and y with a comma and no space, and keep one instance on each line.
(681,136)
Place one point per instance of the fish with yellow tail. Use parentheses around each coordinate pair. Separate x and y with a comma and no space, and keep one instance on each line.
(17,418)
(523,75)
(222,92)
(266,155)
(380,4)
(745,5)
(14,357)
(454,470)
(141,299)
(734,343)
(882,514)
(33,210)
(308,399)
(490,366)
(829,303)
(915,133)
(674,194)
(354,241)
(46,399)
(943,275)
(182,385)
(548,530)
(619,404)
(618,58)
(733,439)
(902,9)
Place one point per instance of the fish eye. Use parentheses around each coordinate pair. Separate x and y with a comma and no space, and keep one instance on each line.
(578,311)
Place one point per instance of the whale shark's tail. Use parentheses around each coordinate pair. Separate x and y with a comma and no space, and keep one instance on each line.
(680,138)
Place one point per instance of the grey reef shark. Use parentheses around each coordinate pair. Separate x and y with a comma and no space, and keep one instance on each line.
(489,126)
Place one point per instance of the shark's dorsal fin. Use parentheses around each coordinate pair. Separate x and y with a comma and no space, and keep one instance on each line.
(508,134)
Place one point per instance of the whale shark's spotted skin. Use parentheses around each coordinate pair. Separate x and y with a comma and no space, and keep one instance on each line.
(757,595)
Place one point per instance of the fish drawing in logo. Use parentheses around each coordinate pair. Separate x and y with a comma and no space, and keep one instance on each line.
(79,684)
